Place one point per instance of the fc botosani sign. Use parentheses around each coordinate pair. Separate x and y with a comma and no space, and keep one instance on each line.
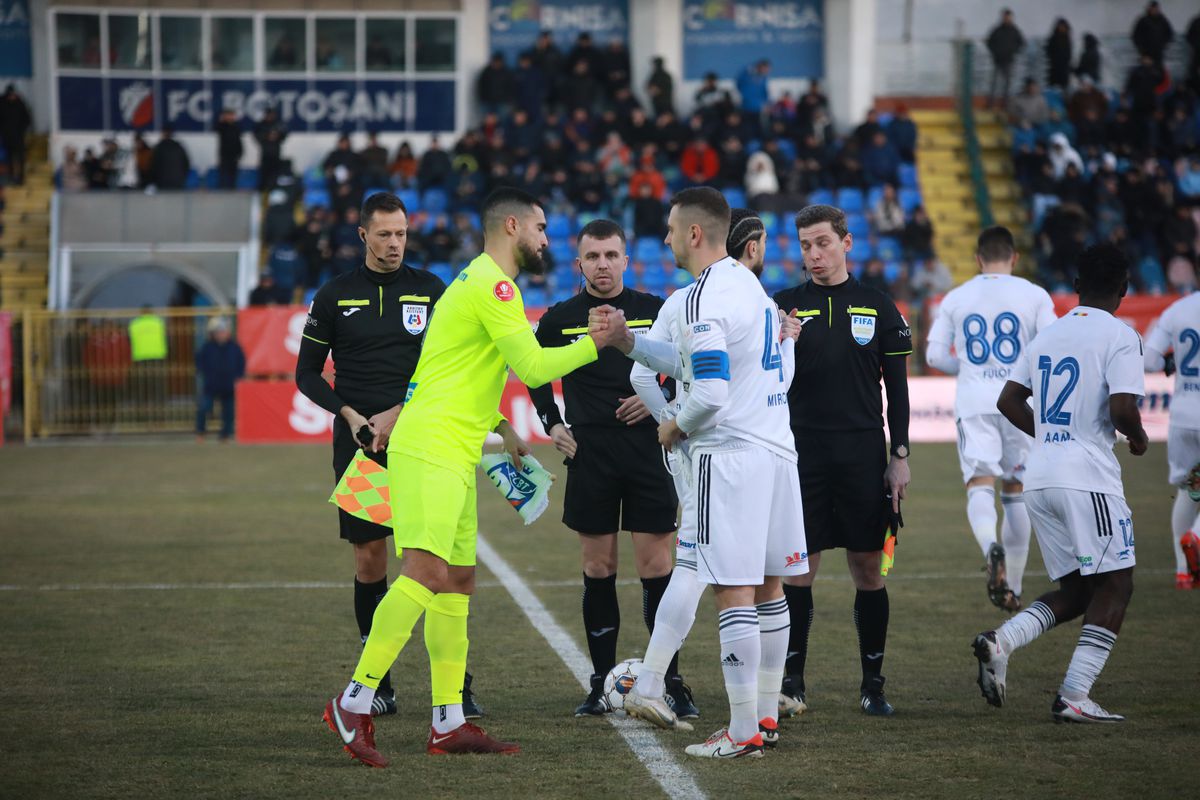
(193,104)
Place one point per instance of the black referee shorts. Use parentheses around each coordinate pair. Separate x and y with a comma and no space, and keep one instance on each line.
(841,483)
(345,446)
(617,481)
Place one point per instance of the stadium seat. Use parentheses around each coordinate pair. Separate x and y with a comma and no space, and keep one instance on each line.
(562,294)
(558,226)
(435,201)
(647,249)
(247,178)
(787,148)
(864,248)
(820,197)
(410,198)
(654,280)
(374,190)
(874,195)
(909,199)
(316,197)
(892,270)
(849,200)
(736,197)
(908,176)
(793,252)
(1054,99)
(773,251)
(535,297)
(681,278)
(774,278)
(888,248)
(193,180)
(314,178)
(211,178)
(1151,272)
(858,226)
(771,222)
(443,271)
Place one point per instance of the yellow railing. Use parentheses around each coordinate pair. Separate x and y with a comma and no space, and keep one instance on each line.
(80,377)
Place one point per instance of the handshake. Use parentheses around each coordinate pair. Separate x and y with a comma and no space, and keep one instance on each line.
(607,327)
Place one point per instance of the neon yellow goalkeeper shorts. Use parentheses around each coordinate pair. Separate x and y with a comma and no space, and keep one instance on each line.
(433,509)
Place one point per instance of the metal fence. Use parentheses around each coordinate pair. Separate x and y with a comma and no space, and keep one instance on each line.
(80,377)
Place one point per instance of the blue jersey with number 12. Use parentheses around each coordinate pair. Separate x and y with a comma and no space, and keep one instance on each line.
(1073,367)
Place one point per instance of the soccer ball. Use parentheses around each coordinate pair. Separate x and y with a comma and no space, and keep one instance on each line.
(619,682)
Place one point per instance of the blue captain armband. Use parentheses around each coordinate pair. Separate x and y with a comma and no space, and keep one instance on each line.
(710,365)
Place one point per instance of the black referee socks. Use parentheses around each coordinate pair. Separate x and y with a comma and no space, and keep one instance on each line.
(800,608)
(653,590)
(871,619)
(601,621)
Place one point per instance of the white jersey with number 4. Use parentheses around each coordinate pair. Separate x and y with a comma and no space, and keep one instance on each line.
(990,321)
(1072,368)
(1178,329)
(730,331)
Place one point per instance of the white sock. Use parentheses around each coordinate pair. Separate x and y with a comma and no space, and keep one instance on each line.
(357,698)
(774,628)
(981,513)
(1183,519)
(1095,643)
(1024,627)
(1014,535)
(741,652)
(672,623)
(447,718)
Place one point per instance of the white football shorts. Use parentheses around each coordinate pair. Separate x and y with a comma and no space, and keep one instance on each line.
(749,519)
(1183,452)
(1085,531)
(991,446)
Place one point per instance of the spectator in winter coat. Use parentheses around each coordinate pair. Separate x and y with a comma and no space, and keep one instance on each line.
(1058,55)
(435,166)
(170,164)
(219,364)
(902,133)
(270,133)
(888,214)
(660,87)
(1029,106)
(1061,154)
(496,87)
(1003,43)
(752,86)
(699,163)
(1089,59)
(229,149)
(1152,33)
(880,162)
(762,184)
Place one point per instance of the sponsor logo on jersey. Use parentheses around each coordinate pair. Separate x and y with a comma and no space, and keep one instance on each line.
(685,545)
(415,317)
(796,558)
(504,291)
(703,327)
(862,328)
(1084,561)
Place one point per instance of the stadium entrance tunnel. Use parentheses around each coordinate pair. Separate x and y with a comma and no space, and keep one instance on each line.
(158,283)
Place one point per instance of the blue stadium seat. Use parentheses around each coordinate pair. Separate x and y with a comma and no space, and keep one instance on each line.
(773,251)
(562,294)
(535,297)
(863,248)
(584,217)
(775,278)
(681,278)
(771,222)
(793,252)
(820,197)
(892,270)
(736,197)
(193,180)
(247,178)
(849,200)
(443,271)
(373,191)
(410,198)
(211,178)
(1152,275)
(314,178)
(887,248)
(647,249)
(558,226)
(435,201)
(909,199)
(563,253)
(654,279)
(874,194)
(316,197)
(787,148)
(858,226)
(1054,99)
(908,176)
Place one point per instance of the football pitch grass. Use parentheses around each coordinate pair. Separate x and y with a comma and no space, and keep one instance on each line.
(175,616)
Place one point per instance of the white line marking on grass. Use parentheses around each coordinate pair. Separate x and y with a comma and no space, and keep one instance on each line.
(658,760)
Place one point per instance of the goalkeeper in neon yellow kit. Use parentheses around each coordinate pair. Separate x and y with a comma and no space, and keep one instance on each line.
(477,334)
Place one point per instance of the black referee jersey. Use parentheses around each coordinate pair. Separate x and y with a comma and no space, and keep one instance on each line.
(848,331)
(593,392)
(373,323)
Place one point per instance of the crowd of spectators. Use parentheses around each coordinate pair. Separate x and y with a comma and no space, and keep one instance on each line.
(1117,163)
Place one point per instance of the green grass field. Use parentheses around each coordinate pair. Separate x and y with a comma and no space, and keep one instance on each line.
(133,664)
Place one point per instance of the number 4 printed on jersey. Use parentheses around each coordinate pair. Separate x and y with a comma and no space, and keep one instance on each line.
(771,359)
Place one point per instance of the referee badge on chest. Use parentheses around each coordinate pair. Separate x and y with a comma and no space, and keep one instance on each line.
(415,317)
(862,328)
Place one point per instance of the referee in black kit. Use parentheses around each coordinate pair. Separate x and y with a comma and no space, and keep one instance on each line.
(373,321)
(851,336)
(616,479)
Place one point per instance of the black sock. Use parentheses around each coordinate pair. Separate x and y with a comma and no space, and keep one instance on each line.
(601,621)
(653,590)
(366,597)
(801,612)
(871,619)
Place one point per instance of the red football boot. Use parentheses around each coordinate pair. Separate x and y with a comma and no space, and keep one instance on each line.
(357,732)
(467,738)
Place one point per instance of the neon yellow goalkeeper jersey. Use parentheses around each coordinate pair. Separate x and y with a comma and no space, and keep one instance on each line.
(476,333)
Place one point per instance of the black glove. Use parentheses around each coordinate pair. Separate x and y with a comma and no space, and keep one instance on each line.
(365,436)
(895,519)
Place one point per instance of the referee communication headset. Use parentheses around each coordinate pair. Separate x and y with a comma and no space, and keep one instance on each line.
(362,234)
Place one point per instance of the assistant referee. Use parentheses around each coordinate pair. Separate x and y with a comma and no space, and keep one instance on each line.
(373,322)
(851,336)
(616,479)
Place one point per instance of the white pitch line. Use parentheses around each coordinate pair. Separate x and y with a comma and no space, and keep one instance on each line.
(658,760)
(302,585)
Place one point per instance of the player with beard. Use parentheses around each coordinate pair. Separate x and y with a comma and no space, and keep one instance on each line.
(478,334)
